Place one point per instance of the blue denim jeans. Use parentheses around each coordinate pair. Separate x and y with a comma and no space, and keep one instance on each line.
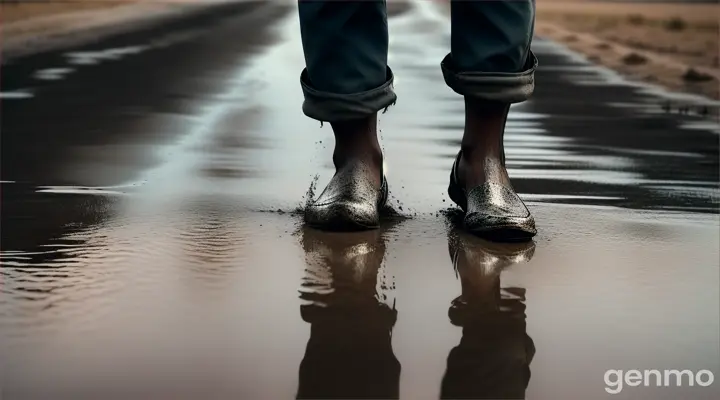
(346,45)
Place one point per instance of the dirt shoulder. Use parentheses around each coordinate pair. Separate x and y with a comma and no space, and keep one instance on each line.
(31,28)
(14,11)
(675,45)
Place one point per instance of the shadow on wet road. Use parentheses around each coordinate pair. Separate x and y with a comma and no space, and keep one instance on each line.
(151,248)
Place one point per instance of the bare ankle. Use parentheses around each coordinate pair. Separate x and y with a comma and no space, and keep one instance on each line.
(356,140)
(484,128)
(355,128)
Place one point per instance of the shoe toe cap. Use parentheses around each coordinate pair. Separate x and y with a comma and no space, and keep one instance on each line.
(493,207)
(482,221)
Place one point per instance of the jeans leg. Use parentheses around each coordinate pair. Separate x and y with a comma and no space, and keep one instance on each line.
(345,45)
(490,56)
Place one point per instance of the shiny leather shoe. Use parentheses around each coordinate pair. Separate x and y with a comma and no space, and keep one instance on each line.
(492,210)
(349,202)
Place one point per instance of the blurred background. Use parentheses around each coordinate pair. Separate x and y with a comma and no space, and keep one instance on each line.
(670,42)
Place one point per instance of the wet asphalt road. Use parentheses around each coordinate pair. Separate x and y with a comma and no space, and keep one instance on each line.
(151,245)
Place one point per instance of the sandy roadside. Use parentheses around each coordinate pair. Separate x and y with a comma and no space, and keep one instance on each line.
(19,10)
(32,28)
(675,45)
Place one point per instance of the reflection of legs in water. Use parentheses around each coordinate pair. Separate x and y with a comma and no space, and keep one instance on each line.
(349,354)
(493,358)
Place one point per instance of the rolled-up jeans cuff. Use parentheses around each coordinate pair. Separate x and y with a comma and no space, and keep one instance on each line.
(505,87)
(332,107)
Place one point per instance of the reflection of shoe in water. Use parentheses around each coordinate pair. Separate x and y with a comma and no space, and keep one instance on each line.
(349,353)
(478,263)
(343,270)
(349,202)
(493,358)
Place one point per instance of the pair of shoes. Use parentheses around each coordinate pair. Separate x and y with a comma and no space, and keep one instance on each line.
(349,202)
(352,202)
(492,210)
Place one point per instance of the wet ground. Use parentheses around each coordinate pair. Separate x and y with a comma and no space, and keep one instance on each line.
(151,246)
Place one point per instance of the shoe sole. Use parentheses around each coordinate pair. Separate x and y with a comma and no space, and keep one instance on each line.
(342,224)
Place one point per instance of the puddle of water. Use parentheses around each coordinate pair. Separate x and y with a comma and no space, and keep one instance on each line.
(408,297)
(53,74)
(96,57)
(80,190)
(706,126)
(16,95)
